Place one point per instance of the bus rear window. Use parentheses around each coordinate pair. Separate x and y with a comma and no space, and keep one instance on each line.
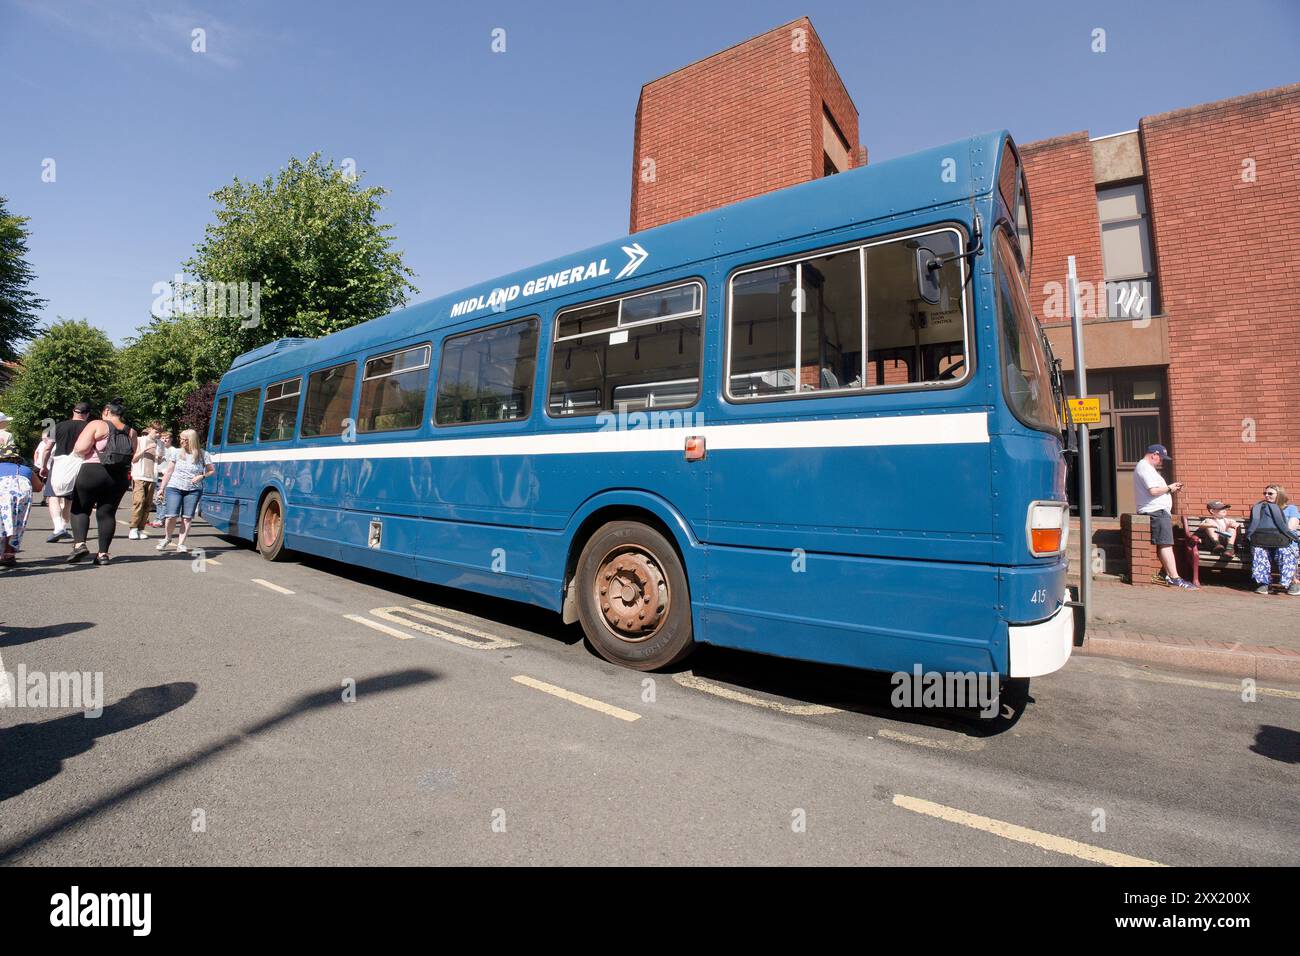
(393,390)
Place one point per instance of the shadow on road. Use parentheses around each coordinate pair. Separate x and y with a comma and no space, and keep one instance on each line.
(45,745)
(34,752)
(13,636)
(1277,743)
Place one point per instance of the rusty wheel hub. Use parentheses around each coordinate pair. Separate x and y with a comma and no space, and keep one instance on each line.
(632,594)
(271,525)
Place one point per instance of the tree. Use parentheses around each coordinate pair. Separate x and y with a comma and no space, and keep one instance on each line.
(72,361)
(18,305)
(197,410)
(310,239)
(163,364)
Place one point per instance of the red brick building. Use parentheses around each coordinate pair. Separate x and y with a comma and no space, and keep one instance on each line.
(1183,231)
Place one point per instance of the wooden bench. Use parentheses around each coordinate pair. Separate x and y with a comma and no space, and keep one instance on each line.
(1198,551)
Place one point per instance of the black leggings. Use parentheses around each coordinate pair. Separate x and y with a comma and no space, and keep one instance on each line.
(98,489)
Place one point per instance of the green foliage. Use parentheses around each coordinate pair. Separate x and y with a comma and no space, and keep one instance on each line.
(309,236)
(71,361)
(18,305)
(165,362)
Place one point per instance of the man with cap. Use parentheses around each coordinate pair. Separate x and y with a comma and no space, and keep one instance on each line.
(65,439)
(1155,499)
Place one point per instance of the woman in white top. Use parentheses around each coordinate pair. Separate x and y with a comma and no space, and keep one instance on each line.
(182,486)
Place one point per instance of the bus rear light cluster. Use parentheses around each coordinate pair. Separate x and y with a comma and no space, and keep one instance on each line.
(1047,527)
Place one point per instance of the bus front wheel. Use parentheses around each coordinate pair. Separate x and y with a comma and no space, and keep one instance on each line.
(633,599)
(270,527)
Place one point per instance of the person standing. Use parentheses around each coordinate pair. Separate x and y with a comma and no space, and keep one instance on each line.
(5,437)
(106,447)
(143,478)
(1155,499)
(17,483)
(1274,535)
(183,485)
(66,434)
(165,453)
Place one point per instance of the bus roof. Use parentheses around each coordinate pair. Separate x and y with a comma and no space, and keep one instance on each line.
(895,187)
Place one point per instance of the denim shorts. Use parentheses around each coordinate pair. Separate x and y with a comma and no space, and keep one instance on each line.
(181,504)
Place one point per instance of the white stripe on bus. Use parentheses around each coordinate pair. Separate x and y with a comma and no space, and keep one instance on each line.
(960,428)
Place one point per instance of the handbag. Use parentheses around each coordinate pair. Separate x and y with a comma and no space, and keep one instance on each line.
(63,476)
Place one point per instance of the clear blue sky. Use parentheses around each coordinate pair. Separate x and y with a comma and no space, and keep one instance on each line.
(496,161)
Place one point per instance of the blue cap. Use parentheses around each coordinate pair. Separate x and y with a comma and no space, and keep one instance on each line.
(1160,450)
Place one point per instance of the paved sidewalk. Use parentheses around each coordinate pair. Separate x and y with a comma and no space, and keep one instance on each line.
(1220,628)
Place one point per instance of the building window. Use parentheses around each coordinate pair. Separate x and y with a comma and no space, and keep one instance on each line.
(487,376)
(639,352)
(329,400)
(1126,252)
(393,389)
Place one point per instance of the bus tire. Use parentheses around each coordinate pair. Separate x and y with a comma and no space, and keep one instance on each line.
(270,527)
(633,599)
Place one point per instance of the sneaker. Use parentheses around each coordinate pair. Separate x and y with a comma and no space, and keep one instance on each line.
(1185,585)
(181,549)
(134,535)
(58,536)
(163,545)
(1262,589)
(78,553)
(102,560)
(1294,589)
(143,535)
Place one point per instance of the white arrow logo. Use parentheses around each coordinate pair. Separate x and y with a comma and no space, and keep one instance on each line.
(636,255)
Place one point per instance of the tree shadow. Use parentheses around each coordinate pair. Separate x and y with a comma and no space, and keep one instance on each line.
(1277,743)
(73,739)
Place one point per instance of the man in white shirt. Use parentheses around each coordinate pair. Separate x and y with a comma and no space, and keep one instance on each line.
(1155,499)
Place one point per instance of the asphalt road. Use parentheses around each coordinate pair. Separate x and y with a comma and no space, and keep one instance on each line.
(226,739)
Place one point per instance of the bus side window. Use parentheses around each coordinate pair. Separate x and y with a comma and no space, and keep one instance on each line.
(329,400)
(280,410)
(487,375)
(798,327)
(243,416)
(393,390)
(218,422)
(642,351)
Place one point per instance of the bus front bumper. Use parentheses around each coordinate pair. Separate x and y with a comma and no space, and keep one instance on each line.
(1037,649)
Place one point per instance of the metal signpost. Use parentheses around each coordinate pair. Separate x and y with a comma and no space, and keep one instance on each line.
(1083,461)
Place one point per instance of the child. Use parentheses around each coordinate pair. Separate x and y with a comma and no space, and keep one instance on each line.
(1219,530)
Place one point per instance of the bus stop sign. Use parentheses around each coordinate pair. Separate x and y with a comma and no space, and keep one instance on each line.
(1085,411)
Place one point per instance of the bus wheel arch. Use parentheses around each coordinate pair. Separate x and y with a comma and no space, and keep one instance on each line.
(632,595)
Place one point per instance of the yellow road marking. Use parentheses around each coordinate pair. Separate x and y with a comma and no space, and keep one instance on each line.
(393,614)
(1011,831)
(965,744)
(212,561)
(578,699)
(273,587)
(1210,685)
(717,690)
(391,631)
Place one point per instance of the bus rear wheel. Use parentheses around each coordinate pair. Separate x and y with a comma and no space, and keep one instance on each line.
(633,599)
(270,527)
